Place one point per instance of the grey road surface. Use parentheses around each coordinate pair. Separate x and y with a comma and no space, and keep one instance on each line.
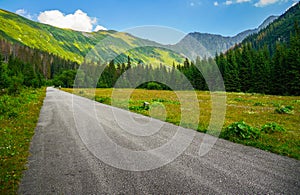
(72,157)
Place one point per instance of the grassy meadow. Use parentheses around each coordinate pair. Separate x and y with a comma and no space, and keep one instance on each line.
(18,118)
(256,110)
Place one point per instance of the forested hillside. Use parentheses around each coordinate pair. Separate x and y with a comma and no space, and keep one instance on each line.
(266,62)
(279,31)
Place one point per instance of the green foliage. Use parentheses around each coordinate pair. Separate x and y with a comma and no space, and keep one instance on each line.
(65,79)
(4,78)
(121,76)
(165,101)
(239,99)
(272,128)
(15,84)
(240,131)
(137,108)
(258,104)
(18,117)
(7,106)
(15,74)
(102,99)
(160,100)
(285,110)
(153,86)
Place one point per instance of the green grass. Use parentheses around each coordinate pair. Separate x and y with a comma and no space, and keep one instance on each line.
(18,117)
(256,110)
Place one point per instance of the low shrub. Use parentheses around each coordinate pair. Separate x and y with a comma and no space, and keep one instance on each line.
(272,128)
(285,110)
(104,100)
(239,99)
(8,106)
(159,100)
(258,104)
(154,86)
(241,131)
(137,108)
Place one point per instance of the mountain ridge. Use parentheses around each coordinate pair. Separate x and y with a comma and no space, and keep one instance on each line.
(207,44)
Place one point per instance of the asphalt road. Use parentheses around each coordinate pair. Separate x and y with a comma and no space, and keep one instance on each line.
(71,154)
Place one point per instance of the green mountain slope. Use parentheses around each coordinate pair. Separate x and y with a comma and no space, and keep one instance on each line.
(278,31)
(268,61)
(74,45)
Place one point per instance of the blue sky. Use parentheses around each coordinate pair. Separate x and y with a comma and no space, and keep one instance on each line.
(225,17)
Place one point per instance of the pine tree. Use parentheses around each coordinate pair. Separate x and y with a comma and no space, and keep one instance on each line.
(231,73)
(293,63)
(4,79)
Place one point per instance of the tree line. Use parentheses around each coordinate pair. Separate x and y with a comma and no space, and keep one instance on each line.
(186,76)
(24,66)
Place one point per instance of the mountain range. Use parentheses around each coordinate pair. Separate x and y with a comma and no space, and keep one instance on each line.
(74,45)
(205,44)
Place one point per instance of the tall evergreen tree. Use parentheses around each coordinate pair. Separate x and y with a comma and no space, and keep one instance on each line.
(293,62)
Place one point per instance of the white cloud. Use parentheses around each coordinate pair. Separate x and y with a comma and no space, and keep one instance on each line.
(228,2)
(243,1)
(24,13)
(263,3)
(194,3)
(98,27)
(216,3)
(21,11)
(259,3)
(78,21)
